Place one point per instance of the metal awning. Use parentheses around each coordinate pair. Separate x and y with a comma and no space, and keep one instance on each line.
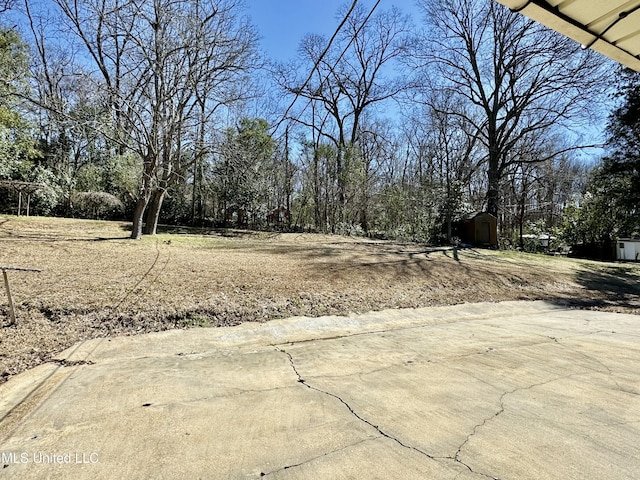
(611,27)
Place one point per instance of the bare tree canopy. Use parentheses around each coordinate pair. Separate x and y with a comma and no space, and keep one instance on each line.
(160,64)
(519,81)
(350,80)
(6,5)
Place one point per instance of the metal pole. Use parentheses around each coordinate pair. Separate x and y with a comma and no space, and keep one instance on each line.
(12,312)
(19,202)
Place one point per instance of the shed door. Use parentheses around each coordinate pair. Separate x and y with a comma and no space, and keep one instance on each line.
(485,233)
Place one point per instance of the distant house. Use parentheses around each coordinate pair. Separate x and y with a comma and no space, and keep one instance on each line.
(477,229)
(628,249)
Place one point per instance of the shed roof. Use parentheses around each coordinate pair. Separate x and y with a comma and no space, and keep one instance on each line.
(611,27)
(472,215)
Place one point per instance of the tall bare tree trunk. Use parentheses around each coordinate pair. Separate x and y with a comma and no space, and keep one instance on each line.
(316,191)
(493,189)
(143,201)
(138,217)
(153,212)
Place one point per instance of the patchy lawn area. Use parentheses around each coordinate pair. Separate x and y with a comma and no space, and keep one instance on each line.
(96,282)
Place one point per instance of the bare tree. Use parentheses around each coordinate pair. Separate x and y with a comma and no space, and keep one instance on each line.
(166,68)
(538,192)
(67,107)
(350,79)
(6,5)
(454,154)
(518,80)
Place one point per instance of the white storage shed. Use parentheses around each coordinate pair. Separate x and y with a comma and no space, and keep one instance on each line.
(628,249)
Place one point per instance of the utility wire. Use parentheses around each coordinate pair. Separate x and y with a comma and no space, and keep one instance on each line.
(324,53)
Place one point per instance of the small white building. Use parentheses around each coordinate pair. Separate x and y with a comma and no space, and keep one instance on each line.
(628,249)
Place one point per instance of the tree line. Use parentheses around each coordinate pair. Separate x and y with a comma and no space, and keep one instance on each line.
(165,111)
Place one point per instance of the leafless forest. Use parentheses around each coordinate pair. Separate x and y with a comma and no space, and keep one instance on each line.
(165,111)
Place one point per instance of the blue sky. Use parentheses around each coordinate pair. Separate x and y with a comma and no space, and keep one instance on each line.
(283,23)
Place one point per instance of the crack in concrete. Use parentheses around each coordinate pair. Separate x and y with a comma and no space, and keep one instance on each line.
(236,392)
(626,390)
(353,412)
(590,358)
(416,360)
(489,350)
(295,465)
(377,427)
(500,412)
(442,322)
(456,458)
(480,425)
(607,369)
(358,334)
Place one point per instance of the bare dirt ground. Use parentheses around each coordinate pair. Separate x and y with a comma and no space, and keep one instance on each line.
(96,282)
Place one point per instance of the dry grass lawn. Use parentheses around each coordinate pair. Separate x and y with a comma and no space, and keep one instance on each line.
(97,282)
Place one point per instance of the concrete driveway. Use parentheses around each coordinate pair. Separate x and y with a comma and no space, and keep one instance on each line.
(515,390)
